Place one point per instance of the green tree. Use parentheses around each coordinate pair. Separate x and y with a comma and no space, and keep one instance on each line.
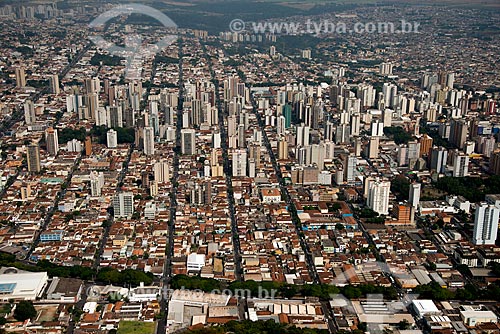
(403,325)
(24,310)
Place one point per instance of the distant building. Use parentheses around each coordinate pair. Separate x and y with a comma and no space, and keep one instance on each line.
(306,54)
(385,68)
(425,145)
(68,290)
(282,148)
(473,316)
(404,215)
(48,236)
(272,51)
(458,132)
(423,307)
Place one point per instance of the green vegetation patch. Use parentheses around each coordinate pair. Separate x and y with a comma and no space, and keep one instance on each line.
(136,327)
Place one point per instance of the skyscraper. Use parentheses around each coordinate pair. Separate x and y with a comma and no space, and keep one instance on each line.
(254,153)
(123,204)
(20,77)
(458,132)
(439,158)
(377,128)
(302,135)
(52,141)
(385,68)
(485,224)
(378,196)
(29,112)
(33,156)
(111,139)
(239,163)
(287,113)
(96,183)
(161,171)
(114,116)
(188,141)
(461,165)
(88,146)
(425,145)
(390,91)
(54,84)
(349,168)
(495,163)
(92,85)
(373,148)
(414,197)
(149,140)
(282,148)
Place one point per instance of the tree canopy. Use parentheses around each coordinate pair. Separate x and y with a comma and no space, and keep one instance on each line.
(24,310)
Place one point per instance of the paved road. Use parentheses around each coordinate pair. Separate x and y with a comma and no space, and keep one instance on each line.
(121,177)
(228,172)
(167,271)
(293,211)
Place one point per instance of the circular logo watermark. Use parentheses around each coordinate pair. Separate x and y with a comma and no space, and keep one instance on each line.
(133,44)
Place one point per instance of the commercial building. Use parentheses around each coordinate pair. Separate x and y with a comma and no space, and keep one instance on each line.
(21,285)
(475,316)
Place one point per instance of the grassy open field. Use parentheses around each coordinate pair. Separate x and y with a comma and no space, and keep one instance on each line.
(136,327)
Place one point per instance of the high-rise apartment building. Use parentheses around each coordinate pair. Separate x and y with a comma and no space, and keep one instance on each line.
(414,197)
(149,141)
(33,157)
(123,204)
(239,163)
(111,138)
(52,141)
(20,77)
(188,141)
(378,196)
(485,224)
